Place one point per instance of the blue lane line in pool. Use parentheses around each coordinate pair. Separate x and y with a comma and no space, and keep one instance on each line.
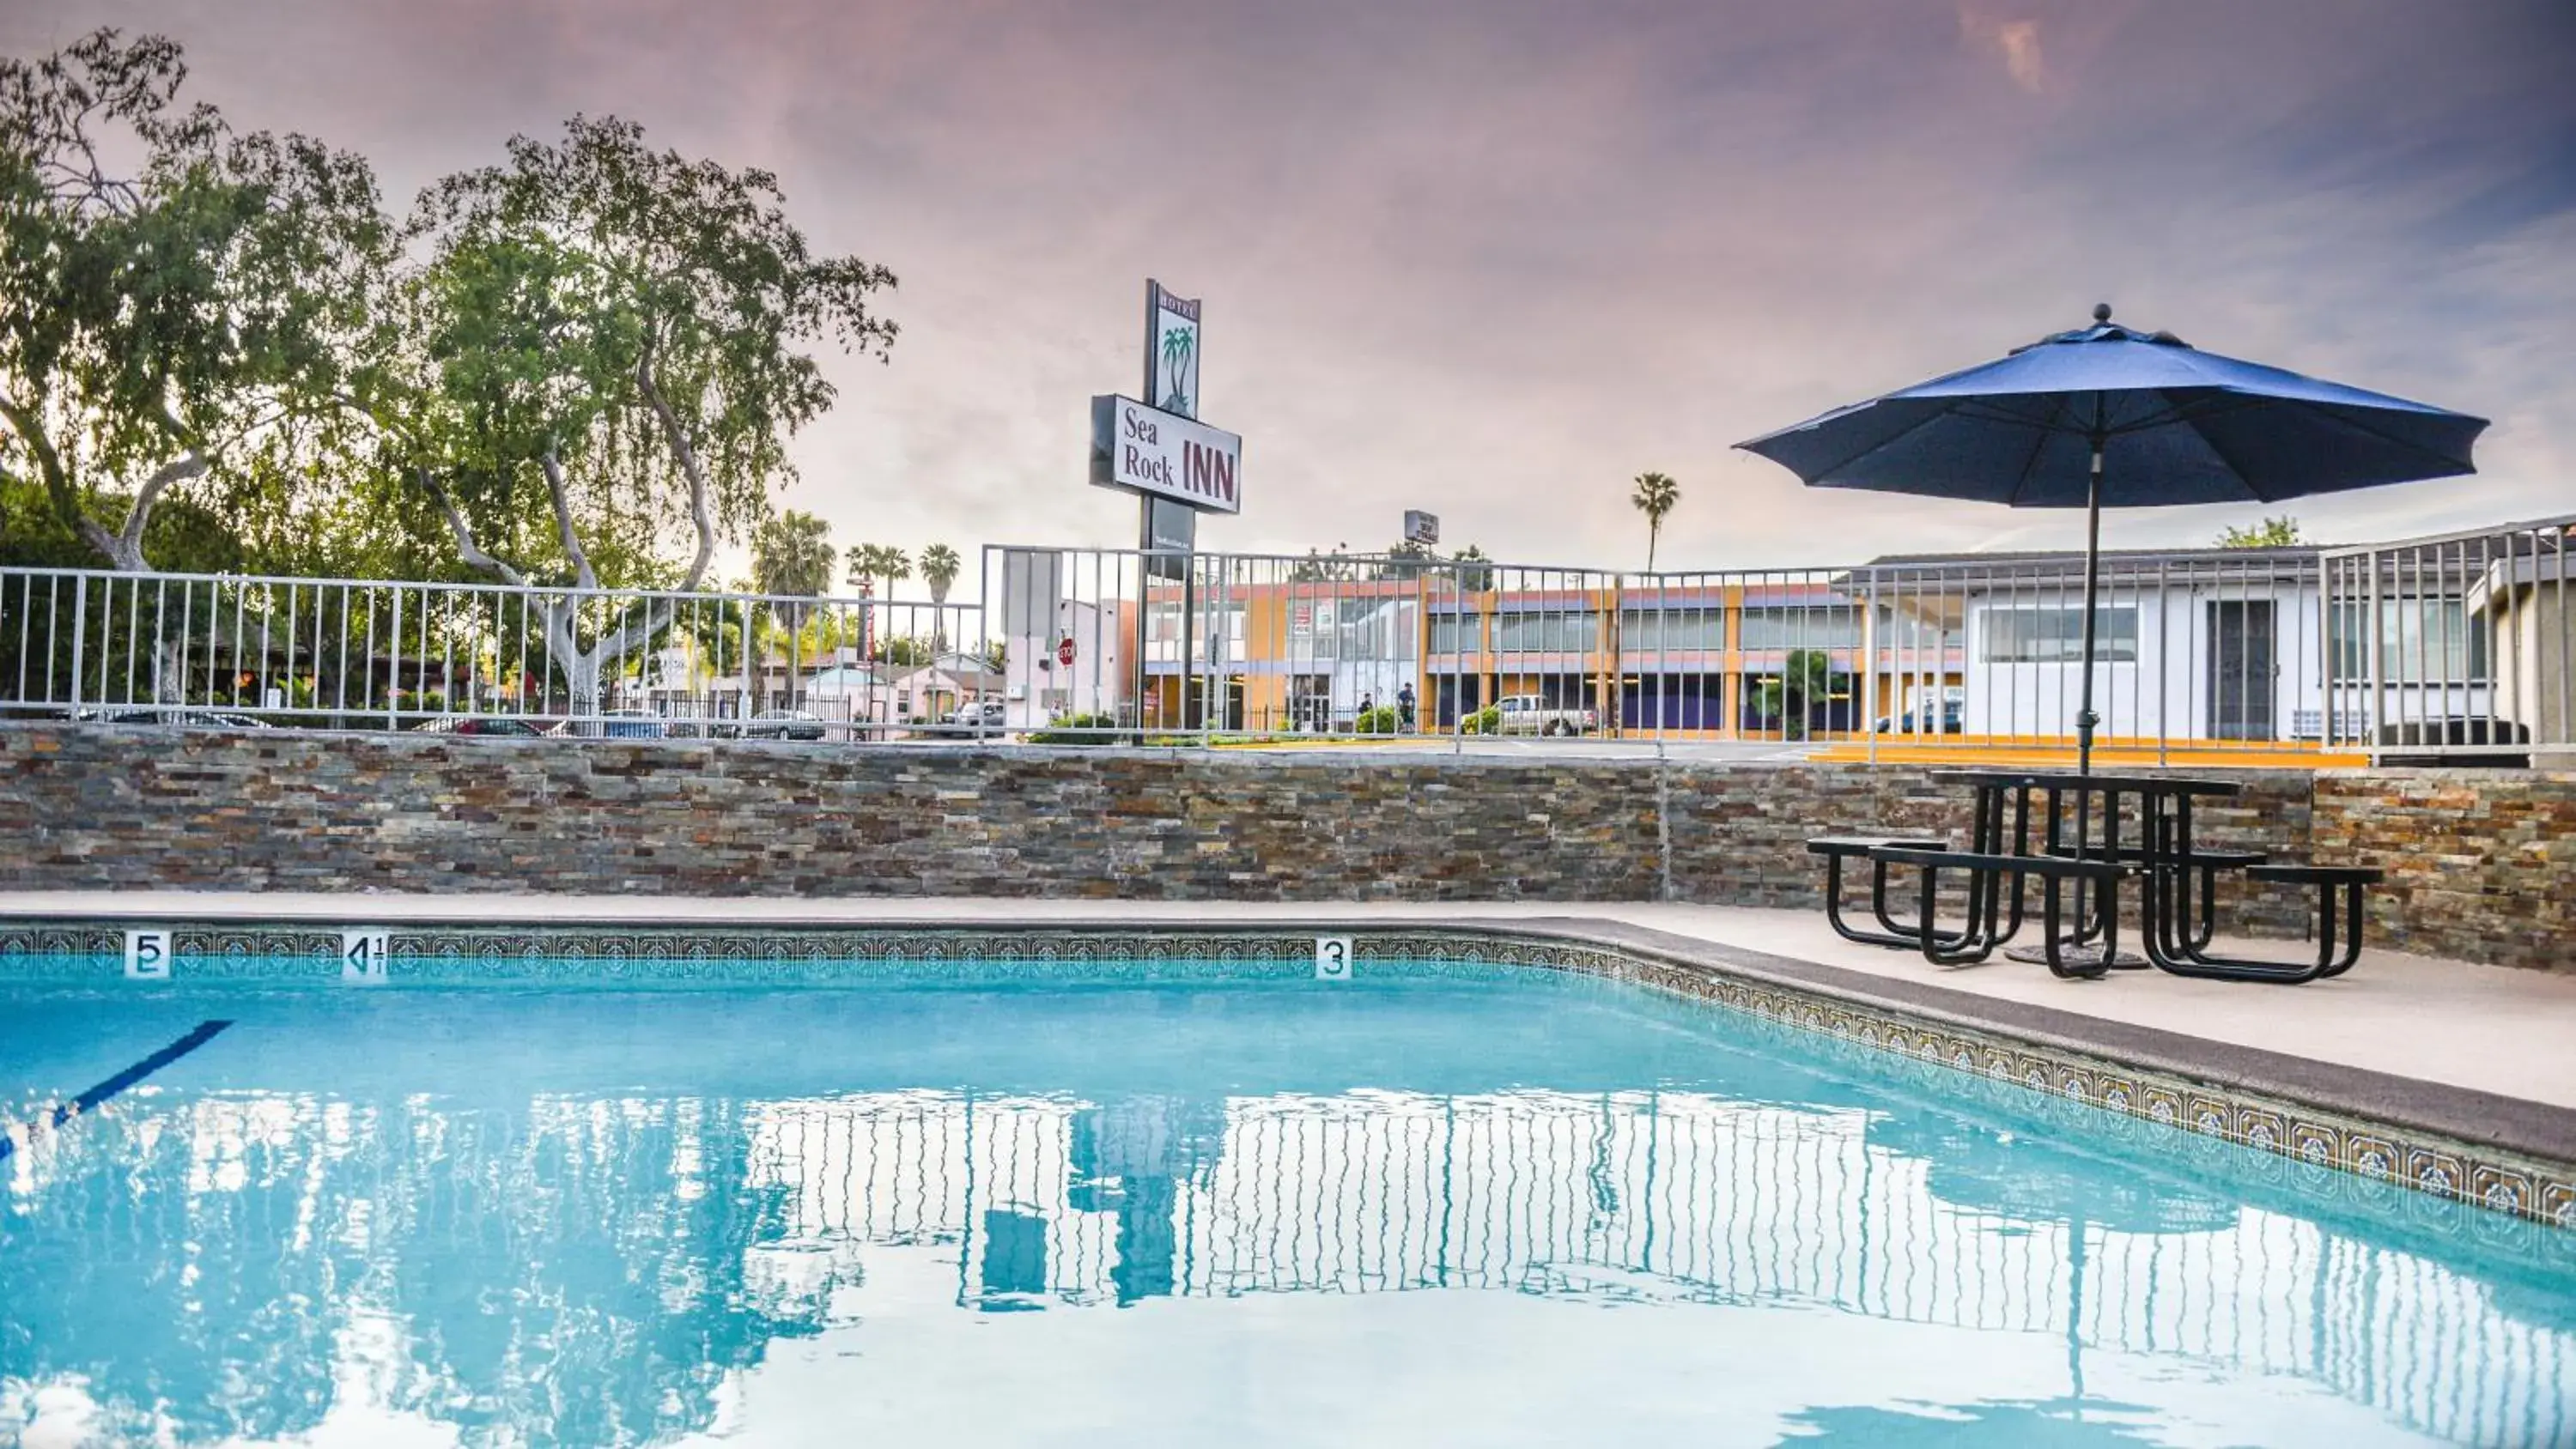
(202,1033)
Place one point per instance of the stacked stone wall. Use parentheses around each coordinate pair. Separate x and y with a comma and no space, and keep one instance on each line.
(2483,864)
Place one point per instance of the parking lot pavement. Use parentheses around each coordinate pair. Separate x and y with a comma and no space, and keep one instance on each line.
(1737,752)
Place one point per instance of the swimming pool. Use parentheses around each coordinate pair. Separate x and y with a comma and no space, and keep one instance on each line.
(1441,1202)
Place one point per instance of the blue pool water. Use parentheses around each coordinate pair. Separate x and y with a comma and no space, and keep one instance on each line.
(1492,1207)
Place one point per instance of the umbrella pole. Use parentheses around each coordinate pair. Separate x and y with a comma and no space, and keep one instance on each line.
(2085,718)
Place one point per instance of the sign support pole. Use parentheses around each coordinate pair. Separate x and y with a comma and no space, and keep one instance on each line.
(1145,532)
(1144,601)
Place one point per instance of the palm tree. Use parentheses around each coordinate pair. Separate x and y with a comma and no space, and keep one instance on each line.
(940,566)
(870,562)
(1655,496)
(791,556)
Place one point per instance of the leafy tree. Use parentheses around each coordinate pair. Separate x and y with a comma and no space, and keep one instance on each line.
(2282,532)
(1807,678)
(1402,561)
(1322,568)
(1475,574)
(904,652)
(159,321)
(1654,497)
(940,566)
(605,340)
(1407,560)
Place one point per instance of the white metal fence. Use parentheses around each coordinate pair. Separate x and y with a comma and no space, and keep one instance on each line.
(2452,646)
(480,659)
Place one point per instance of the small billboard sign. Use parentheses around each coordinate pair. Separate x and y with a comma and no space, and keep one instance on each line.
(1146,450)
(1420,527)
(1171,351)
(1171,536)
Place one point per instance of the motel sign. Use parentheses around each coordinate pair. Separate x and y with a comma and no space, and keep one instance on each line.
(1143,449)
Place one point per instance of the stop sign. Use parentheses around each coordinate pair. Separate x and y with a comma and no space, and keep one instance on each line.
(1064,653)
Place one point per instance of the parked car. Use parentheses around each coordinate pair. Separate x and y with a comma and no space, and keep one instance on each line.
(478,724)
(1527,714)
(986,714)
(194,718)
(1906,723)
(783,724)
(619,724)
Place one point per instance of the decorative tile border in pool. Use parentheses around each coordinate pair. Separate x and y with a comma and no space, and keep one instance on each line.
(2380,1155)
(2372,1151)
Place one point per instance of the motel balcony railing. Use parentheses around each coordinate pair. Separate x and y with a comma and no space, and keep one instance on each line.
(2459,646)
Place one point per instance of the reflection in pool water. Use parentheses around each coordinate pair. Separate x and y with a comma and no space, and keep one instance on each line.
(1404,1226)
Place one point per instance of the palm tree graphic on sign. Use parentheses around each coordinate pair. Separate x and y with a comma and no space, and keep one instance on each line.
(1178,345)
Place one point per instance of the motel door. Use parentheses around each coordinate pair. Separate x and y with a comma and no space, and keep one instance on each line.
(2242,679)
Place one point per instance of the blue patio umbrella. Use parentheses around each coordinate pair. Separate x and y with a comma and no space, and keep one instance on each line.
(2107,416)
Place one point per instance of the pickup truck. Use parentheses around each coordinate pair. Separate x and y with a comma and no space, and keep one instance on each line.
(1524,714)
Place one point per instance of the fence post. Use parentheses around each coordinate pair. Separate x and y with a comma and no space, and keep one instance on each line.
(1869,668)
(2325,662)
(80,637)
(393,680)
(2376,690)
(2164,654)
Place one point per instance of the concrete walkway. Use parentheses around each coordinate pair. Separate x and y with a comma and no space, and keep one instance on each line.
(2511,1033)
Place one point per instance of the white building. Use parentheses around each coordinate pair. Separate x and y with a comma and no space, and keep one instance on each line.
(1066,648)
(2202,644)
(934,691)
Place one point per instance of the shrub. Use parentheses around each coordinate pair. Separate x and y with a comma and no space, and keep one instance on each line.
(1378,721)
(1486,721)
(1061,731)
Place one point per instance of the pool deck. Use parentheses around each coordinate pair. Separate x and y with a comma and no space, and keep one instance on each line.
(2484,1053)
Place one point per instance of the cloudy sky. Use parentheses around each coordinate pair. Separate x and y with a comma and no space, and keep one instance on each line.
(1493,258)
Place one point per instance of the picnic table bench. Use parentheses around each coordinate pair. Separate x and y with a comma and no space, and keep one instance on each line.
(2082,838)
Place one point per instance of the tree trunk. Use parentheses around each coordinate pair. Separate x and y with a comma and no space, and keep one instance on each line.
(581,677)
(169,679)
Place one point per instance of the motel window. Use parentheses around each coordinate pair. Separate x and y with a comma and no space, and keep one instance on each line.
(1312,632)
(1647,630)
(2056,636)
(2421,641)
(1457,633)
(1572,631)
(1378,631)
(1216,636)
(1826,626)
(1901,629)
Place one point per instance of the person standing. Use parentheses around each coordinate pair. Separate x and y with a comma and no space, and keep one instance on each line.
(1404,709)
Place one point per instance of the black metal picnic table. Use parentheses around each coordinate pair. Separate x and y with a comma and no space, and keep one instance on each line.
(2164,807)
(2075,838)
(2082,847)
